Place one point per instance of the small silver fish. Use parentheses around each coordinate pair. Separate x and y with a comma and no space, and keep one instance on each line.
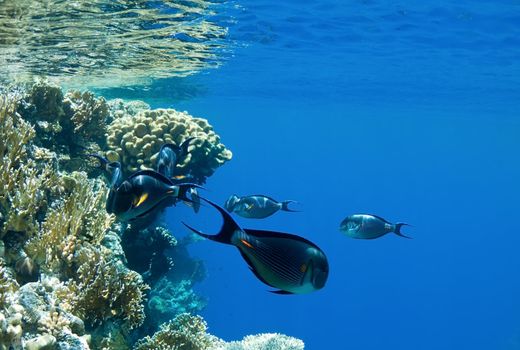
(256,206)
(367,226)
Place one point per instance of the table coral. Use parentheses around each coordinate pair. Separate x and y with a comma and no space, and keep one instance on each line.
(136,141)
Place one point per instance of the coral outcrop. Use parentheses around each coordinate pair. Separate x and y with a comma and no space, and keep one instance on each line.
(56,277)
(185,332)
(135,141)
(71,278)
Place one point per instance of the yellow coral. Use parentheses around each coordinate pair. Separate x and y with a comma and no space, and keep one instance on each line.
(138,139)
(8,286)
(81,216)
(104,288)
(53,323)
(185,332)
(23,186)
(86,113)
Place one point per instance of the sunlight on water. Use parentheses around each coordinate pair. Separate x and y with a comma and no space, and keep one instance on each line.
(107,43)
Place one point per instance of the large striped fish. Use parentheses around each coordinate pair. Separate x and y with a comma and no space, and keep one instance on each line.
(289,263)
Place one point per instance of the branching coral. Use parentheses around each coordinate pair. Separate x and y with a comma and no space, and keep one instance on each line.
(79,217)
(23,186)
(105,289)
(136,140)
(185,332)
(86,114)
(53,323)
(65,123)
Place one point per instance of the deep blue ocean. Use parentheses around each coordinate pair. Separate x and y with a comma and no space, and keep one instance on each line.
(405,109)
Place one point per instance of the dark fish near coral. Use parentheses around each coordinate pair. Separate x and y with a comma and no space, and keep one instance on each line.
(256,206)
(142,193)
(366,226)
(284,261)
(167,162)
(169,156)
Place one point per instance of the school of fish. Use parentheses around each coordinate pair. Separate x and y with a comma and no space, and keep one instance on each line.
(286,262)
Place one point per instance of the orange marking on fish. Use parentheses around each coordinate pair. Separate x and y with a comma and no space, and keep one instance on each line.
(303,267)
(246,243)
(140,200)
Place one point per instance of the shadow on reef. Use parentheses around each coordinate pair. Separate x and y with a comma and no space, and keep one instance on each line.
(70,276)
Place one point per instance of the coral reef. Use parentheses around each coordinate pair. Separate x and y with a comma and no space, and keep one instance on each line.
(79,217)
(53,224)
(266,341)
(71,278)
(146,251)
(136,140)
(168,299)
(185,332)
(65,122)
(105,289)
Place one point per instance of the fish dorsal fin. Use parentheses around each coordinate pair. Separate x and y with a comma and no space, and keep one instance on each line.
(153,174)
(275,234)
(263,195)
(253,269)
(380,218)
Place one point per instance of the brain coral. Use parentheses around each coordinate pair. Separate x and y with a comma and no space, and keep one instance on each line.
(136,140)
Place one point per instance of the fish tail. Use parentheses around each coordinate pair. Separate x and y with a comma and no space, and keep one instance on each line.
(185,189)
(194,194)
(285,206)
(226,231)
(397,229)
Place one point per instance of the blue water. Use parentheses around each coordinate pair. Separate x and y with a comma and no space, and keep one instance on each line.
(409,110)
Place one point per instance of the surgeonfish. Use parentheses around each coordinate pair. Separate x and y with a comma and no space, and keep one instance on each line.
(255,206)
(289,263)
(169,155)
(142,193)
(167,159)
(367,226)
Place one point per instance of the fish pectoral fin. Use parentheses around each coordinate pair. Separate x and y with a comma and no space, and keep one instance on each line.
(140,200)
(281,292)
(249,206)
